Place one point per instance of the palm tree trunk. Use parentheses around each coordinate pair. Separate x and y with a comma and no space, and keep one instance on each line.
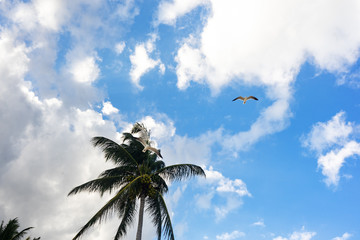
(141,217)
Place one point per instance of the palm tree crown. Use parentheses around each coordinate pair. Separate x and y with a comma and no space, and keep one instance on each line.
(10,231)
(137,175)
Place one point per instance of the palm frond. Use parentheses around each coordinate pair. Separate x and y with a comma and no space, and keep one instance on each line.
(127,212)
(109,207)
(101,185)
(159,184)
(21,234)
(180,171)
(154,210)
(122,171)
(166,221)
(114,151)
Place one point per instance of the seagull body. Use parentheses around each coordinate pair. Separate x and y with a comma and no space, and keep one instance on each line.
(148,147)
(244,99)
(157,151)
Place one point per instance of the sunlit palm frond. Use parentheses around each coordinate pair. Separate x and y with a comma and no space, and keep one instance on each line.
(102,185)
(180,171)
(122,171)
(154,210)
(166,221)
(114,151)
(109,207)
(127,212)
(159,184)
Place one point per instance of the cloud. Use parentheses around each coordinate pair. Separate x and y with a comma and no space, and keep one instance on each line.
(259,223)
(317,32)
(169,11)
(298,236)
(161,127)
(85,70)
(332,142)
(230,236)
(127,10)
(141,62)
(217,185)
(331,162)
(276,60)
(343,237)
(109,109)
(119,47)
(322,136)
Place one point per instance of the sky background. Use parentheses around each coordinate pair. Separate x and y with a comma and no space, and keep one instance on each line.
(285,167)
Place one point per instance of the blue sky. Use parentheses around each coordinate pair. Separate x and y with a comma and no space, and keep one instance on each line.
(281,168)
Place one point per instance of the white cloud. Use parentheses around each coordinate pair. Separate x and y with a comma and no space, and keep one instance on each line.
(298,236)
(332,142)
(85,70)
(141,62)
(119,47)
(336,131)
(226,185)
(161,127)
(127,10)
(50,13)
(230,236)
(272,119)
(318,32)
(109,109)
(169,11)
(259,223)
(304,35)
(343,237)
(231,190)
(331,162)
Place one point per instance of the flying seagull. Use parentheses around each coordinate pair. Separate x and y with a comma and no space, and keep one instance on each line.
(148,147)
(245,98)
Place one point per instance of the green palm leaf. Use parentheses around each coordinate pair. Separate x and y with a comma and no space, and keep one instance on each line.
(114,151)
(180,171)
(127,213)
(109,207)
(137,175)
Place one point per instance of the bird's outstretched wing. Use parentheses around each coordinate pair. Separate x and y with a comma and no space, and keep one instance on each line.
(253,98)
(157,151)
(240,97)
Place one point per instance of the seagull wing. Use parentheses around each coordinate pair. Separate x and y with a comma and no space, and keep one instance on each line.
(252,97)
(240,97)
(155,151)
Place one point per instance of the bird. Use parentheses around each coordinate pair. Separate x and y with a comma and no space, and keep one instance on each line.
(245,98)
(148,147)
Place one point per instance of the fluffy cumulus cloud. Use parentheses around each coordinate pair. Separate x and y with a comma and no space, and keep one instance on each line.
(142,62)
(324,135)
(84,70)
(220,186)
(119,47)
(259,223)
(303,235)
(109,109)
(230,236)
(345,236)
(298,33)
(169,11)
(49,120)
(291,40)
(333,142)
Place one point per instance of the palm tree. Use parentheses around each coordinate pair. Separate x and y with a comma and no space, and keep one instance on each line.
(137,175)
(10,230)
